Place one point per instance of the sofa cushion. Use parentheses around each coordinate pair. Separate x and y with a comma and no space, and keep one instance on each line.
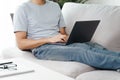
(107,33)
(72,69)
(99,75)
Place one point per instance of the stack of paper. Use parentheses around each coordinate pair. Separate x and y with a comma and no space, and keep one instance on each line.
(12,70)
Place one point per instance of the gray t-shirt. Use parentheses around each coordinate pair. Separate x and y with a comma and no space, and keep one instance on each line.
(39,21)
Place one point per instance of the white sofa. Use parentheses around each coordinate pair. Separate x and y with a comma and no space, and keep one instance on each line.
(107,34)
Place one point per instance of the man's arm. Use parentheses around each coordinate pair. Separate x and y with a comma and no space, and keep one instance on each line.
(26,44)
(63,32)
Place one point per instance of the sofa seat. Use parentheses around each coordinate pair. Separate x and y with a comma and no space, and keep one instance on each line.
(71,69)
(99,75)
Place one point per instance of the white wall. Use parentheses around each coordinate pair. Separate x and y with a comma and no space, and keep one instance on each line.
(7,38)
(109,2)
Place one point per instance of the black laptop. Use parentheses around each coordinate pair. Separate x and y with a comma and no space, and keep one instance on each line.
(82,31)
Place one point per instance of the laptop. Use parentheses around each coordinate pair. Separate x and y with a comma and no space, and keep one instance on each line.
(83,31)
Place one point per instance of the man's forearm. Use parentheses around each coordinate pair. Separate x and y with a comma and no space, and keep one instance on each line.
(62,31)
(25,44)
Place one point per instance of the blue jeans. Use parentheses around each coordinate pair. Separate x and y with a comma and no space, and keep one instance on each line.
(88,53)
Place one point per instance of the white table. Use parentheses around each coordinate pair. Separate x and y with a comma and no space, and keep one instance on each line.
(41,73)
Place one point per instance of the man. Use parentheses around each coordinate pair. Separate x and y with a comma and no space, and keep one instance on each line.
(39,26)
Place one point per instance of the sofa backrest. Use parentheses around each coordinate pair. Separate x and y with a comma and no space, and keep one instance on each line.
(108,31)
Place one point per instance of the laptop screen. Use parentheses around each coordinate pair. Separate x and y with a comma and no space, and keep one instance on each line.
(82,31)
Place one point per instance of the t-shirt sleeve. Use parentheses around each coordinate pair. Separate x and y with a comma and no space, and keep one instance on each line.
(61,22)
(20,20)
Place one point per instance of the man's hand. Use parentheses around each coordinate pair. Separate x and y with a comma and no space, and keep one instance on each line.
(58,38)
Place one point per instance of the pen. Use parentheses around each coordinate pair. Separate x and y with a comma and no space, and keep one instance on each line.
(6,63)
